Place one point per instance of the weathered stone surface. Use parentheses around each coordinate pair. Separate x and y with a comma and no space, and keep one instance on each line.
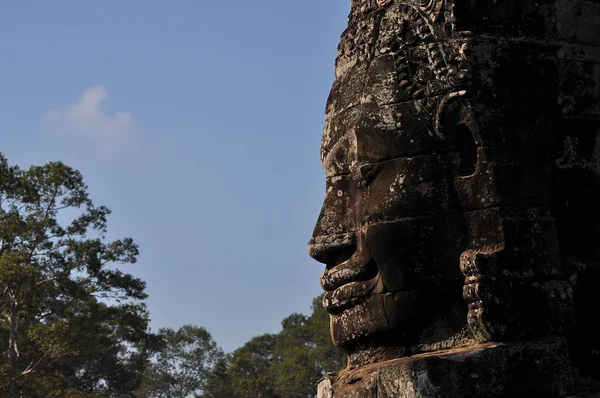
(462,157)
(536,369)
(506,18)
(586,345)
(577,182)
(578,20)
(513,243)
(579,88)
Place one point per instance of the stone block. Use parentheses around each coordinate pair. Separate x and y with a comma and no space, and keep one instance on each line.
(579,87)
(515,370)
(578,20)
(505,18)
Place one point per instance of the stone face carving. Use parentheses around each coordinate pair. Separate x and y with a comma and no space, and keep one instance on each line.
(450,155)
(392,230)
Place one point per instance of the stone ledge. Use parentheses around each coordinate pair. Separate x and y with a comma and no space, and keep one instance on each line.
(494,370)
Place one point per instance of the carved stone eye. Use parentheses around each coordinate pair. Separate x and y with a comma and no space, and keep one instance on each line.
(364,174)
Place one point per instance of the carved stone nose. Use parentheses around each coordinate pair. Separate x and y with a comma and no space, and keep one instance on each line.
(327,248)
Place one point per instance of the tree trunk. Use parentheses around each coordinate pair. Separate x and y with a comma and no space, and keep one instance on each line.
(12,349)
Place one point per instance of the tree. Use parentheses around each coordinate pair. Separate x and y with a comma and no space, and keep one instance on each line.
(251,368)
(305,353)
(328,357)
(218,383)
(295,371)
(182,367)
(288,364)
(71,320)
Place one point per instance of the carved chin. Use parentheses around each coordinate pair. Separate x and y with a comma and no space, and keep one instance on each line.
(377,314)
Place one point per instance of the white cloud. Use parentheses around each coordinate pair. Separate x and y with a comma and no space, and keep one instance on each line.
(87,121)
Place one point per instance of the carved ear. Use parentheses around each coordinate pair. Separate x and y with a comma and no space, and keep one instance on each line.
(453,111)
(465,145)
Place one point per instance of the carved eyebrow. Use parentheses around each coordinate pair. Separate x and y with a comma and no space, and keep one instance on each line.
(326,155)
(338,139)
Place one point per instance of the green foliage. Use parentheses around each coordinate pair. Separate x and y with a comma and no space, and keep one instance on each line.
(251,372)
(74,325)
(183,365)
(284,365)
(288,364)
(72,322)
(218,383)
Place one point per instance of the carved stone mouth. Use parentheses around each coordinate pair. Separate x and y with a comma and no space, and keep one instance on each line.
(475,305)
(349,295)
(347,272)
(351,275)
(473,293)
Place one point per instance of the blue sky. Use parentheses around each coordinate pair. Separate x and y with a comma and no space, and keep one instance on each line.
(198,123)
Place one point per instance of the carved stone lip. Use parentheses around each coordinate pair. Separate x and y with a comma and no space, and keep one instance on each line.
(350,281)
(349,295)
(475,304)
(347,272)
